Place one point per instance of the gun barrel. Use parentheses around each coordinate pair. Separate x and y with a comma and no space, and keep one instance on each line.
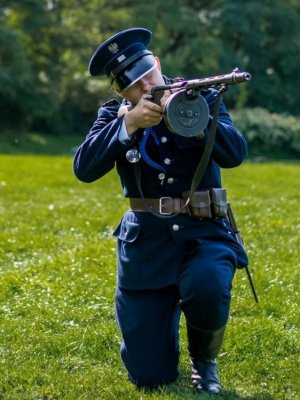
(227,79)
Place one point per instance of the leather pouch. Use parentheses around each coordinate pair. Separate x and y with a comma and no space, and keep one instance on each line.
(200,204)
(219,202)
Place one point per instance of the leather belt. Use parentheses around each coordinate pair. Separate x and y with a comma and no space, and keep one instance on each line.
(163,205)
(210,203)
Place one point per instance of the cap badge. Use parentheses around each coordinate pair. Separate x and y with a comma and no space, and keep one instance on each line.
(113,48)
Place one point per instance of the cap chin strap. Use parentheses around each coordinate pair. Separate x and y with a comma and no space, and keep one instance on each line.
(200,170)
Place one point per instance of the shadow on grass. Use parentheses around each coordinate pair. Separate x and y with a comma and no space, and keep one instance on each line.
(232,395)
(179,393)
(180,390)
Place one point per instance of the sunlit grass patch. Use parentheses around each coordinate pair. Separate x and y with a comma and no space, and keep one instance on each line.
(59,339)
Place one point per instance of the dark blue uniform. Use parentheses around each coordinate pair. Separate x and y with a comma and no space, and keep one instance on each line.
(166,266)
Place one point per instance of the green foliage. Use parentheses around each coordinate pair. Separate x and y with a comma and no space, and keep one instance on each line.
(269,135)
(53,86)
(263,38)
(45,47)
(34,93)
(58,335)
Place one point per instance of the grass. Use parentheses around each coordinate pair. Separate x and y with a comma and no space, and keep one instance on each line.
(36,143)
(58,336)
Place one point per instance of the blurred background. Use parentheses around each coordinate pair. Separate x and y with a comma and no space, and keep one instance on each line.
(46,45)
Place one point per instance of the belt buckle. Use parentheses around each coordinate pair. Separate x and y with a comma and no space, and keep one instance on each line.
(161,205)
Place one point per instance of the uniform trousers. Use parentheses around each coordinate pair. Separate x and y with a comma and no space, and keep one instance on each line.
(149,319)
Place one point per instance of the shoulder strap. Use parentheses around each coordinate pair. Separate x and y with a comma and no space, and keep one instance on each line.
(201,168)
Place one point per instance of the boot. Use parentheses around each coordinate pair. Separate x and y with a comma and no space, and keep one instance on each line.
(204,347)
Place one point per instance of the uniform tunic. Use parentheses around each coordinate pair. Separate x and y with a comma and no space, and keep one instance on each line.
(166,265)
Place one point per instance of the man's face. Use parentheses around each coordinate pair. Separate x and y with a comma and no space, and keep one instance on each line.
(144,85)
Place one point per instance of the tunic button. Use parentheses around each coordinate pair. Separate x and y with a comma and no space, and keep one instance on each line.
(164,139)
(170,180)
(175,228)
(167,161)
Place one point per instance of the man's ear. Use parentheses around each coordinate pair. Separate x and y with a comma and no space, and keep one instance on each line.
(158,63)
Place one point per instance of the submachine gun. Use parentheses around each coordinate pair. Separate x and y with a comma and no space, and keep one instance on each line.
(186,111)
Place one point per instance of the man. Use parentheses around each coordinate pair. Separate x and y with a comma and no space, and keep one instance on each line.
(172,258)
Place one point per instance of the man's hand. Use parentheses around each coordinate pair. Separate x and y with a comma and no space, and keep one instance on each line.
(144,114)
(164,98)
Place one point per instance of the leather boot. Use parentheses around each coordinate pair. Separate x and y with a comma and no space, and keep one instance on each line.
(204,347)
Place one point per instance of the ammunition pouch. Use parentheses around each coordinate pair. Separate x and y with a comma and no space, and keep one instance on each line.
(207,203)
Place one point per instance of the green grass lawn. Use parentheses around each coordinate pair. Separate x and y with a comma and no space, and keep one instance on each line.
(59,339)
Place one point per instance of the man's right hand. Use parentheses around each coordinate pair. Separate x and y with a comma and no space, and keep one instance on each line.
(143,115)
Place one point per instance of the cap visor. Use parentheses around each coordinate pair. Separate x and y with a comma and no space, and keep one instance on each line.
(135,72)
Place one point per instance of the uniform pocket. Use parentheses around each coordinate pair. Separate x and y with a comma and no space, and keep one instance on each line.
(127,231)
